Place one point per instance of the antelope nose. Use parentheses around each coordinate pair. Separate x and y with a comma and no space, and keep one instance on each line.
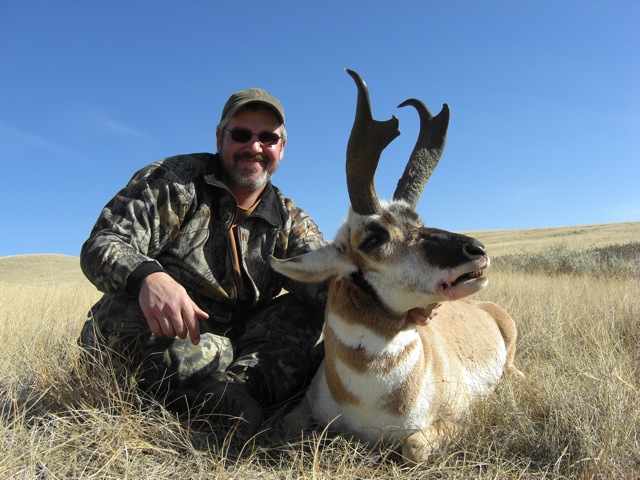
(474,249)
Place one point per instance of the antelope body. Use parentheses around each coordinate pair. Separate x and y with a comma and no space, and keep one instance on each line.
(385,376)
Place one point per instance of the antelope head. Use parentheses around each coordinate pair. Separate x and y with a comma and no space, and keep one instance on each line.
(384,246)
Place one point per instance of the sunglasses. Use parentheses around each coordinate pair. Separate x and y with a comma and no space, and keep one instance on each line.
(244,135)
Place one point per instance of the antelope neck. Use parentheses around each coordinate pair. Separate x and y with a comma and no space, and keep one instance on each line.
(358,279)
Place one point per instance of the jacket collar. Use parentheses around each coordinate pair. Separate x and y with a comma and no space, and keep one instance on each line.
(268,208)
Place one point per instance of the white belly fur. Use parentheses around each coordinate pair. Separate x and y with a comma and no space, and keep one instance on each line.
(370,421)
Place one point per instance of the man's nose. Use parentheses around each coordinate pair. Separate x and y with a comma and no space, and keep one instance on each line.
(254,144)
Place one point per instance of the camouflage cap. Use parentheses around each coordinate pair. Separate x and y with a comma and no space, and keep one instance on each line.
(250,95)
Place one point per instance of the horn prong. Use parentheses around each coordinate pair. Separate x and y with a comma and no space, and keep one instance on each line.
(368,139)
(426,152)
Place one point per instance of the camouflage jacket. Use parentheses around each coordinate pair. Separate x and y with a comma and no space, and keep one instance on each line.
(175,215)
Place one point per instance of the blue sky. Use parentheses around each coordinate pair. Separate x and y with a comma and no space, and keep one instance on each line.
(544,97)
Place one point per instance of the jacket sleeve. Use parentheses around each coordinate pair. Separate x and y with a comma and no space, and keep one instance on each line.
(133,228)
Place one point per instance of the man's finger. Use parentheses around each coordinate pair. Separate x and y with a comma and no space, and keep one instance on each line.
(154,326)
(179,326)
(201,314)
(191,324)
(167,327)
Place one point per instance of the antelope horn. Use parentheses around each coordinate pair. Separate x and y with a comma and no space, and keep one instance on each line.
(426,153)
(368,139)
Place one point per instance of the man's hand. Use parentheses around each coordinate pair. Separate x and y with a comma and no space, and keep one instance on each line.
(422,316)
(169,310)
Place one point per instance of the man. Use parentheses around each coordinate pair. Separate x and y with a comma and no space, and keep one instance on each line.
(191,305)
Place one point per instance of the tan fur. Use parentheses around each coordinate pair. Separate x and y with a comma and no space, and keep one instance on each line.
(338,390)
(348,301)
(508,330)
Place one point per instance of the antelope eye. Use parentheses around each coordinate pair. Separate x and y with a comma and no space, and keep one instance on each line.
(374,239)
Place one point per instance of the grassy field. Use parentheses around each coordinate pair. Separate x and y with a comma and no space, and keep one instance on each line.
(575,295)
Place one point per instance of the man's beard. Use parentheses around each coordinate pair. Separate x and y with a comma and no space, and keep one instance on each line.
(250,182)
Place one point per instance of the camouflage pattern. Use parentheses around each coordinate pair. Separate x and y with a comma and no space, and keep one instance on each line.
(280,341)
(177,214)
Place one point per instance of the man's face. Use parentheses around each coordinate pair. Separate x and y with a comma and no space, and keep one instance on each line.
(249,165)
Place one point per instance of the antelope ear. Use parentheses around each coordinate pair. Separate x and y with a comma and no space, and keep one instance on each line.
(312,267)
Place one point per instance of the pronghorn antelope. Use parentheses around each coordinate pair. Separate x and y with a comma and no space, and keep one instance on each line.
(384,376)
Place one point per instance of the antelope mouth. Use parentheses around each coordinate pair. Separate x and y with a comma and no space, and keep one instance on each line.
(467,280)
(467,277)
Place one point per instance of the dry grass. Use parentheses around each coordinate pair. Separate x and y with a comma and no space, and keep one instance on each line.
(574,415)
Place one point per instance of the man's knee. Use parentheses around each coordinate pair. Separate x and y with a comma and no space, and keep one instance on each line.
(285,321)
(92,343)
(283,343)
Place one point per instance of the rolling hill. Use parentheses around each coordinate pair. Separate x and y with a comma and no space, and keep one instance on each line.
(52,268)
